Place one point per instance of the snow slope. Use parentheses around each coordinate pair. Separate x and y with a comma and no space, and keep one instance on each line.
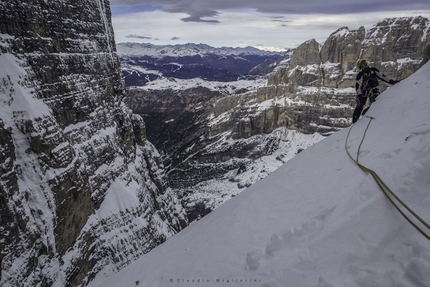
(318,220)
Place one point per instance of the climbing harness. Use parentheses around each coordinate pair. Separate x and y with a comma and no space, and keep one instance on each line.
(373,94)
(383,186)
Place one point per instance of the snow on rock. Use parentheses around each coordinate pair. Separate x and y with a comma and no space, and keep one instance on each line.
(318,220)
(190,49)
(226,88)
(67,143)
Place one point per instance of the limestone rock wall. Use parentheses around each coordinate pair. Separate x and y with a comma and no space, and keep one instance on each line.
(396,46)
(81,190)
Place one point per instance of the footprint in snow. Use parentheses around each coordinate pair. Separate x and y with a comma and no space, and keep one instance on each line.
(297,237)
(323,283)
(390,154)
(420,130)
(290,241)
(416,271)
(253,259)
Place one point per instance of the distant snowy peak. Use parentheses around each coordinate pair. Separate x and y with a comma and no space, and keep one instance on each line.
(341,32)
(143,63)
(389,24)
(190,49)
(414,22)
(400,34)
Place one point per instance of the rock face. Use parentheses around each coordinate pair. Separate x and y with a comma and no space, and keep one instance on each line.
(214,145)
(81,190)
(323,75)
(395,46)
(206,136)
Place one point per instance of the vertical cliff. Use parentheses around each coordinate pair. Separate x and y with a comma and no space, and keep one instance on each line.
(81,190)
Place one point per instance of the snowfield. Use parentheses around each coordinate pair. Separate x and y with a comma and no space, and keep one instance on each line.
(318,220)
(226,88)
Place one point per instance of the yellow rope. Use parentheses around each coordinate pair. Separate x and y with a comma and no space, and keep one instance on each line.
(383,186)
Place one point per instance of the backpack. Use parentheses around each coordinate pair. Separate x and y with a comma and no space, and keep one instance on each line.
(370,81)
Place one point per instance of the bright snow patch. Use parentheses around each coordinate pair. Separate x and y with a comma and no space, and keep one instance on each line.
(227,88)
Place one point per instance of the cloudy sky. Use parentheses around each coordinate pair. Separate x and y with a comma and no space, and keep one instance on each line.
(259,23)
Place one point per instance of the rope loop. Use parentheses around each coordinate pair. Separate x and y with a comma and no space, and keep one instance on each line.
(384,187)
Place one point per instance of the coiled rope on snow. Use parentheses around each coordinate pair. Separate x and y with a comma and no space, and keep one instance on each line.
(384,187)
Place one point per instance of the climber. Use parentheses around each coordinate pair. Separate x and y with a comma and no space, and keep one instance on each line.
(367,87)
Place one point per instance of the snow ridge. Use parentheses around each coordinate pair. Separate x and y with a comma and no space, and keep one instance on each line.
(318,220)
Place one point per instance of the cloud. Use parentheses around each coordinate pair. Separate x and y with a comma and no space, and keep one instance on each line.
(239,25)
(279,19)
(136,36)
(129,9)
(196,16)
(198,9)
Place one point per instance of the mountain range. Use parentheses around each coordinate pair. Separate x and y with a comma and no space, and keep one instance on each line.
(142,63)
(88,186)
(217,138)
